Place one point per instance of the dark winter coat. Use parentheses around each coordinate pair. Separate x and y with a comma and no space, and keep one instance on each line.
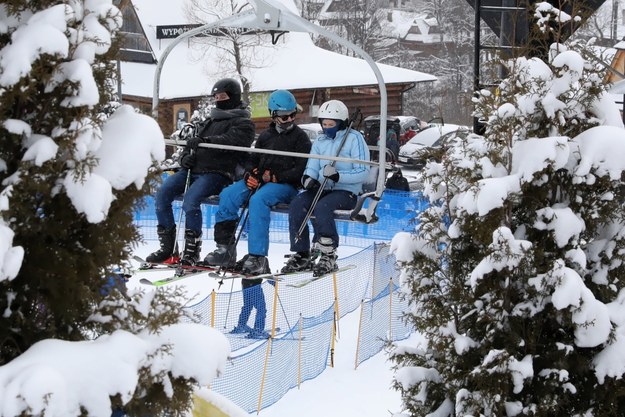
(224,127)
(287,169)
(397,181)
(392,146)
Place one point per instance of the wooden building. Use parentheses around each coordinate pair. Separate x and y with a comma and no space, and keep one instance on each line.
(312,74)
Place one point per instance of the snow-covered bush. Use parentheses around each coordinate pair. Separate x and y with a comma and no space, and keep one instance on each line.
(74,165)
(517,278)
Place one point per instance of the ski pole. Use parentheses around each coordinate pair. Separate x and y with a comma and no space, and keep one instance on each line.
(324,182)
(184,193)
(284,313)
(236,242)
(241,226)
(229,300)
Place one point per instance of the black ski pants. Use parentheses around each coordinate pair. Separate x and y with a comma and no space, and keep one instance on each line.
(323,222)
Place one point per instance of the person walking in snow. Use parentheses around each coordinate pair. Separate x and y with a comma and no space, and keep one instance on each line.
(344,183)
(270,179)
(208,171)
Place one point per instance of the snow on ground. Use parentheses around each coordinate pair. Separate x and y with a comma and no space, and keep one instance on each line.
(339,391)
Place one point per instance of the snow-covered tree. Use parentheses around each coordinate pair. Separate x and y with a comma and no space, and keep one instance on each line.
(71,177)
(450,60)
(517,277)
(53,89)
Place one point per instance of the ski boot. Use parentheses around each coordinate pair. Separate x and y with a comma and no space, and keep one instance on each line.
(224,256)
(192,248)
(257,334)
(241,328)
(167,240)
(299,261)
(327,258)
(255,265)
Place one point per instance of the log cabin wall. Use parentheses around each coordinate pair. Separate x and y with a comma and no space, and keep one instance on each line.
(366,98)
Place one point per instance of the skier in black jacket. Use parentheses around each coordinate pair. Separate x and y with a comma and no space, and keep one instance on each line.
(209,170)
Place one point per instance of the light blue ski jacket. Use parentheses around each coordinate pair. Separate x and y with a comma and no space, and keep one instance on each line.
(351,175)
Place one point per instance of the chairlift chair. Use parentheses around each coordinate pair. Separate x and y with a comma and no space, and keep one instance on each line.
(273,17)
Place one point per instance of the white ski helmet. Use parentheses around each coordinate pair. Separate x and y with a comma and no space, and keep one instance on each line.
(333,109)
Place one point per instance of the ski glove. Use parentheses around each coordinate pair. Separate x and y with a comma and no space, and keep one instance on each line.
(268,176)
(193,142)
(251,179)
(330,172)
(188,161)
(310,183)
(187,131)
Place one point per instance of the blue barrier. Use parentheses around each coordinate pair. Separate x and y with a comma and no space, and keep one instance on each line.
(397,211)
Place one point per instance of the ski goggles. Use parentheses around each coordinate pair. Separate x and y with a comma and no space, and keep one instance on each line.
(285,117)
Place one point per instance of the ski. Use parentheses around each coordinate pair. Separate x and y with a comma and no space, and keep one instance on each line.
(180,268)
(304,282)
(238,275)
(280,276)
(169,280)
(145,265)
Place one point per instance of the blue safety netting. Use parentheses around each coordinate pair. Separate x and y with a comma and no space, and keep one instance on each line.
(397,211)
(304,320)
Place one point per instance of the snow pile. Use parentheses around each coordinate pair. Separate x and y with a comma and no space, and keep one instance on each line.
(44,379)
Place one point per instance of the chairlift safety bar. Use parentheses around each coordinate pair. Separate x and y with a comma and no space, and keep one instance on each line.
(272,152)
(502,8)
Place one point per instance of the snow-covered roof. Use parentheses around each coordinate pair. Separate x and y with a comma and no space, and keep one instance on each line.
(402,22)
(620,45)
(294,63)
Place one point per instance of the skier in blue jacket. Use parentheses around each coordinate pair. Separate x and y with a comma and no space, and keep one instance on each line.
(344,183)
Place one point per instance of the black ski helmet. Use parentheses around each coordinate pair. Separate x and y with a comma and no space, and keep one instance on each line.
(233,88)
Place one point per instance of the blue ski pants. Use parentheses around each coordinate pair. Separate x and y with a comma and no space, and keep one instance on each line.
(253,297)
(323,221)
(260,203)
(201,186)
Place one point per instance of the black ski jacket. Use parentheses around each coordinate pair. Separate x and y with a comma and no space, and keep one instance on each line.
(287,169)
(224,127)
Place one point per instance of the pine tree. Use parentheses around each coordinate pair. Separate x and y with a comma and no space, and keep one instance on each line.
(518,219)
(68,258)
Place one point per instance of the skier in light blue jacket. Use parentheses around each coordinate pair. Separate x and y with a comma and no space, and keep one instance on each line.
(344,183)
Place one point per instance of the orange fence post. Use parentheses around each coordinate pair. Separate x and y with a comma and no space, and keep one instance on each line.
(358,335)
(336,295)
(335,326)
(299,356)
(273,333)
(390,307)
(213,296)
